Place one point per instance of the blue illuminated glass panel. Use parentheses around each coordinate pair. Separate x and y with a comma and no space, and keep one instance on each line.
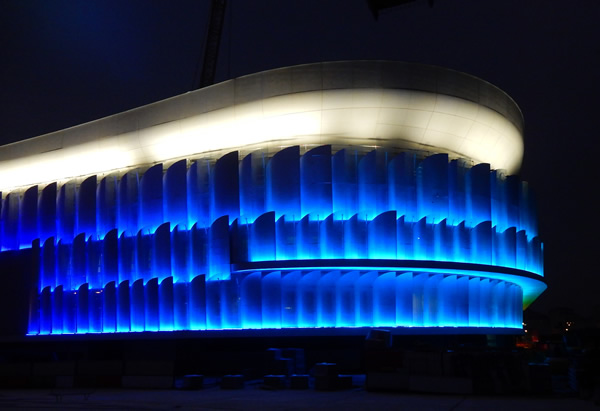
(155,251)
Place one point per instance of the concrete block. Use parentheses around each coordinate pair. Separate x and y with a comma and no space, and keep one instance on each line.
(387,381)
(232,382)
(112,367)
(344,382)
(18,381)
(15,369)
(42,369)
(540,378)
(272,354)
(192,382)
(42,381)
(274,381)
(64,381)
(449,360)
(98,381)
(378,339)
(325,369)
(284,366)
(384,360)
(147,381)
(297,357)
(327,383)
(159,368)
(299,381)
(442,385)
(424,362)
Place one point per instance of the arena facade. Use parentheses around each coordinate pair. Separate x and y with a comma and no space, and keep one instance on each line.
(322,197)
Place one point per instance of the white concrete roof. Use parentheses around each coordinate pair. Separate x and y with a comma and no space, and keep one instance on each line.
(369,103)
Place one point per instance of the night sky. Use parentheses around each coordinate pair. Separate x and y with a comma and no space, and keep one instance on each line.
(65,62)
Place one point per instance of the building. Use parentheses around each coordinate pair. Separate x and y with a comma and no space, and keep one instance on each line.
(318,198)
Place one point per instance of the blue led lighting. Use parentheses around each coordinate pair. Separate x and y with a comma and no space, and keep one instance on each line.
(318,297)
(294,241)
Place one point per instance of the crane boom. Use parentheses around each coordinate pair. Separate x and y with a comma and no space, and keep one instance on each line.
(213,40)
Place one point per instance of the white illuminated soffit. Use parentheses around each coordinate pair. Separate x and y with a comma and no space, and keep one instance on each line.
(376,116)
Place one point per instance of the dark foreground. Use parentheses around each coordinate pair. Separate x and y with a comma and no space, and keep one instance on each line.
(254,397)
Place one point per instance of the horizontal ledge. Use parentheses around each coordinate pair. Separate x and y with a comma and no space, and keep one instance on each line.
(531,284)
(429,266)
(279,332)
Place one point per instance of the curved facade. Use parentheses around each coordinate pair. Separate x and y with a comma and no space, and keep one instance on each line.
(332,195)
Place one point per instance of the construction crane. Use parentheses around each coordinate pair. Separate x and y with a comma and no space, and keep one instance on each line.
(215,29)
(213,40)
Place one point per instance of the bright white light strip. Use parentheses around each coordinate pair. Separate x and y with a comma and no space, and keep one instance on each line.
(60,165)
(362,116)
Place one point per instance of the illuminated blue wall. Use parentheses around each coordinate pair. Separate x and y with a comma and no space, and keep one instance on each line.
(153,250)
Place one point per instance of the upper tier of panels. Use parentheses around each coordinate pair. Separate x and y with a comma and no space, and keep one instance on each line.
(368,103)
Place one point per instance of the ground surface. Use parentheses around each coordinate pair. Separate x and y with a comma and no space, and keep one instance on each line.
(255,398)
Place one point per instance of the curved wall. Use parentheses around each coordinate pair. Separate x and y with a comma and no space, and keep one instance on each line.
(292,241)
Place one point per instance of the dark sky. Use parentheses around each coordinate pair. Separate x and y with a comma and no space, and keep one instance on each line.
(64,62)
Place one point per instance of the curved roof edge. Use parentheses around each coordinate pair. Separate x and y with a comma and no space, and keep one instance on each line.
(353,74)
(251,105)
